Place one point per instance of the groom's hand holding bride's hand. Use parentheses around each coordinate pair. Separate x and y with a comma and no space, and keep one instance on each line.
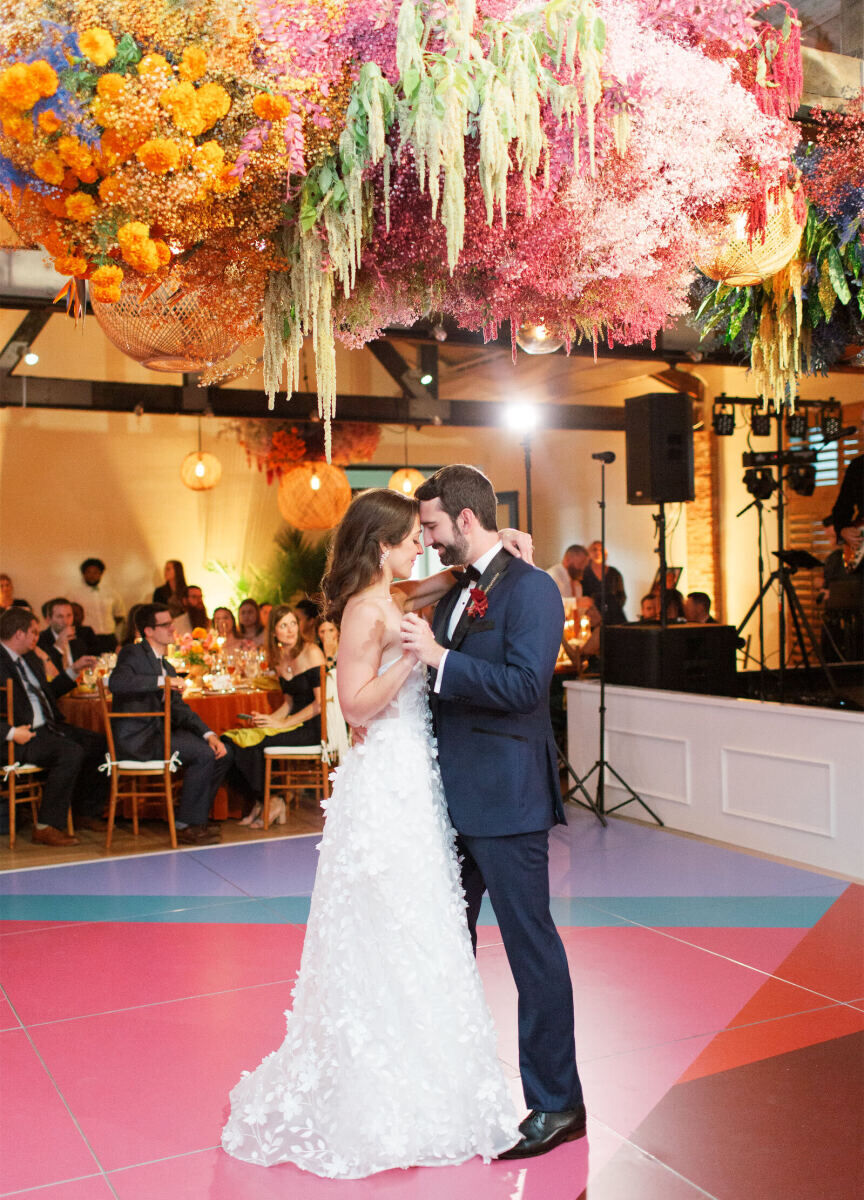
(417,636)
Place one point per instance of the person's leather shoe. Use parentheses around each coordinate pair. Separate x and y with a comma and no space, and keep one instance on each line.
(95,824)
(543,1131)
(197,835)
(49,836)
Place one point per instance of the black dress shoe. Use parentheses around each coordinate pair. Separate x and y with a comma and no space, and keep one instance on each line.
(543,1131)
(197,835)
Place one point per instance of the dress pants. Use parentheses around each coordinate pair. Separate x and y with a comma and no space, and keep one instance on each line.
(515,872)
(61,758)
(90,797)
(202,775)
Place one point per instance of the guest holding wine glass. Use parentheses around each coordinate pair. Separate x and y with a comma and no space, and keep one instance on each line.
(173,591)
(297,722)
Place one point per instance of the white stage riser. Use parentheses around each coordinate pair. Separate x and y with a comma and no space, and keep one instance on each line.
(782,779)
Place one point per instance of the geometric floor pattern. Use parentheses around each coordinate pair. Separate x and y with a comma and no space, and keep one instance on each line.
(719,1001)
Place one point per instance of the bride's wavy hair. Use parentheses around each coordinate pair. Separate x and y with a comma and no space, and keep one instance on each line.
(375,519)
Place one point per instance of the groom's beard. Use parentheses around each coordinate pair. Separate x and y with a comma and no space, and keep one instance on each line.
(456,554)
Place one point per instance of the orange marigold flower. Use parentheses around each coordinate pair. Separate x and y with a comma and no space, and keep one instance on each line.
(49,168)
(74,155)
(44,77)
(88,175)
(226,181)
(71,264)
(159,155)
(105,295)
(18,87)
(181,101)
(49,122)
(132,232)
(199,634)
(97,45)
(70,180)
(153,64)
(111,86)
(271,108)
(107,276)
(80,207)
(213,102)
(18,128)
(112,190)
(163,252)
(208,157)
(55,205)
(115,147)
(193,64)
(137,247)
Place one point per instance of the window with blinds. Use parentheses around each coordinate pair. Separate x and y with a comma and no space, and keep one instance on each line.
(805,515)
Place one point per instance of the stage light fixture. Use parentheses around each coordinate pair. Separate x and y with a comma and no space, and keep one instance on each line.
(723,419)
(831,422)
(796,425)
(802,478)
(760,482)
(760,421)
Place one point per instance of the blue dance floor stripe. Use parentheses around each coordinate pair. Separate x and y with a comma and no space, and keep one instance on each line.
(744,912)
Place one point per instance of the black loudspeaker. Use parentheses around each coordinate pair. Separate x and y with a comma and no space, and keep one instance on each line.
(680,658)
(659,448)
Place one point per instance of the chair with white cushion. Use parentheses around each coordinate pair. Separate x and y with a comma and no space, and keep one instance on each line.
(20,783)
(137,780)
(293,768)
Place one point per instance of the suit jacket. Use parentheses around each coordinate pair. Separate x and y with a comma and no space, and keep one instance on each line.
(495,745)
(22,709)
(135,688)
(47,643)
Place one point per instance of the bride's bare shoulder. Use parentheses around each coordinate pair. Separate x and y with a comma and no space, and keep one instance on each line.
(364,609)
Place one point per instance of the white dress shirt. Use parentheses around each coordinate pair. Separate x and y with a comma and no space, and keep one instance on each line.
(461,604)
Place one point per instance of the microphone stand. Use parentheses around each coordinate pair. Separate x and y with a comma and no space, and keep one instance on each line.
(602,765)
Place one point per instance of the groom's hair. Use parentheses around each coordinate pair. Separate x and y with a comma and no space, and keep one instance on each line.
(460,486)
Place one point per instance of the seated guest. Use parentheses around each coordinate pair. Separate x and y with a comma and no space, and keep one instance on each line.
(103,608)
(70,757)
(697,609)
(308,614)
(173,591)
(568,573)
(136,684)
(8,598)
(226,628)
(250,626)
(264,611)
(297,722)
(60,640)
(674,606)
(649,610)
(328,640)
(616,597)
(84,633)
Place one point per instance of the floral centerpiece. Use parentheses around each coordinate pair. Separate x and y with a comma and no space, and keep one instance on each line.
(199,650)
(329,167)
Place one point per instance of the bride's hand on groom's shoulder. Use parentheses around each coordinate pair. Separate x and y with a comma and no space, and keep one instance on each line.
(418,638)
(519,544)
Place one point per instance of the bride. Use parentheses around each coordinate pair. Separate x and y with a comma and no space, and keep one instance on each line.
(390,1057)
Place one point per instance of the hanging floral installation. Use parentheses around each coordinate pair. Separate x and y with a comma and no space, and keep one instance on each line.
(276,447)
(809,316)
(324,168)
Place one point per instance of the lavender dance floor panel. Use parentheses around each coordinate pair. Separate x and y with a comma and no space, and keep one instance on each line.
(134,991)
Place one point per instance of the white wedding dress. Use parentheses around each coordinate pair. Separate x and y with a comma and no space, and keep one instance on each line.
(390,1058)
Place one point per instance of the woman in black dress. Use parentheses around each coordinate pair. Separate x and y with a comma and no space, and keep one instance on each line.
(173,590)
(297,721)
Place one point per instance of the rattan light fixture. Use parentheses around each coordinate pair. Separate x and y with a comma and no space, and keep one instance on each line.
(742,263)
(200,471)
(314,495)
(406,481)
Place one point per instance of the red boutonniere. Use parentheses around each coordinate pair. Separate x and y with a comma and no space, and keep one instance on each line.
(478,603)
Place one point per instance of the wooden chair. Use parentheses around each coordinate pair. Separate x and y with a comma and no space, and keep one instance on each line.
(20,783)
(293,768)
(148,781)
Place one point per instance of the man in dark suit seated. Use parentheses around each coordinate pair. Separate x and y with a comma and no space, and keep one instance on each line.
(60,640)
(136,684)
(70,757)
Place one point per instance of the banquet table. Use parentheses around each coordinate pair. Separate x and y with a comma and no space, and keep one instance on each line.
(218,710)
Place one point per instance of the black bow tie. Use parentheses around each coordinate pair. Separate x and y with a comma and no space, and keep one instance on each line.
(469,576)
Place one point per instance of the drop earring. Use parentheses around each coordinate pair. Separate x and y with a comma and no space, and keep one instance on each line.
(385,554)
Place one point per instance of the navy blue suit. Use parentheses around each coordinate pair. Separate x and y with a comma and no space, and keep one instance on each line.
(499,767)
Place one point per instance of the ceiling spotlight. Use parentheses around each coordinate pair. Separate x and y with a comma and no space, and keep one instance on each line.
(723,418)
(796,425)
(802,478)
(426,379)
(759,482)
(832,419)
(760,421)
(31,358)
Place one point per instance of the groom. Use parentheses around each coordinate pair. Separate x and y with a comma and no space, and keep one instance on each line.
(492,651)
